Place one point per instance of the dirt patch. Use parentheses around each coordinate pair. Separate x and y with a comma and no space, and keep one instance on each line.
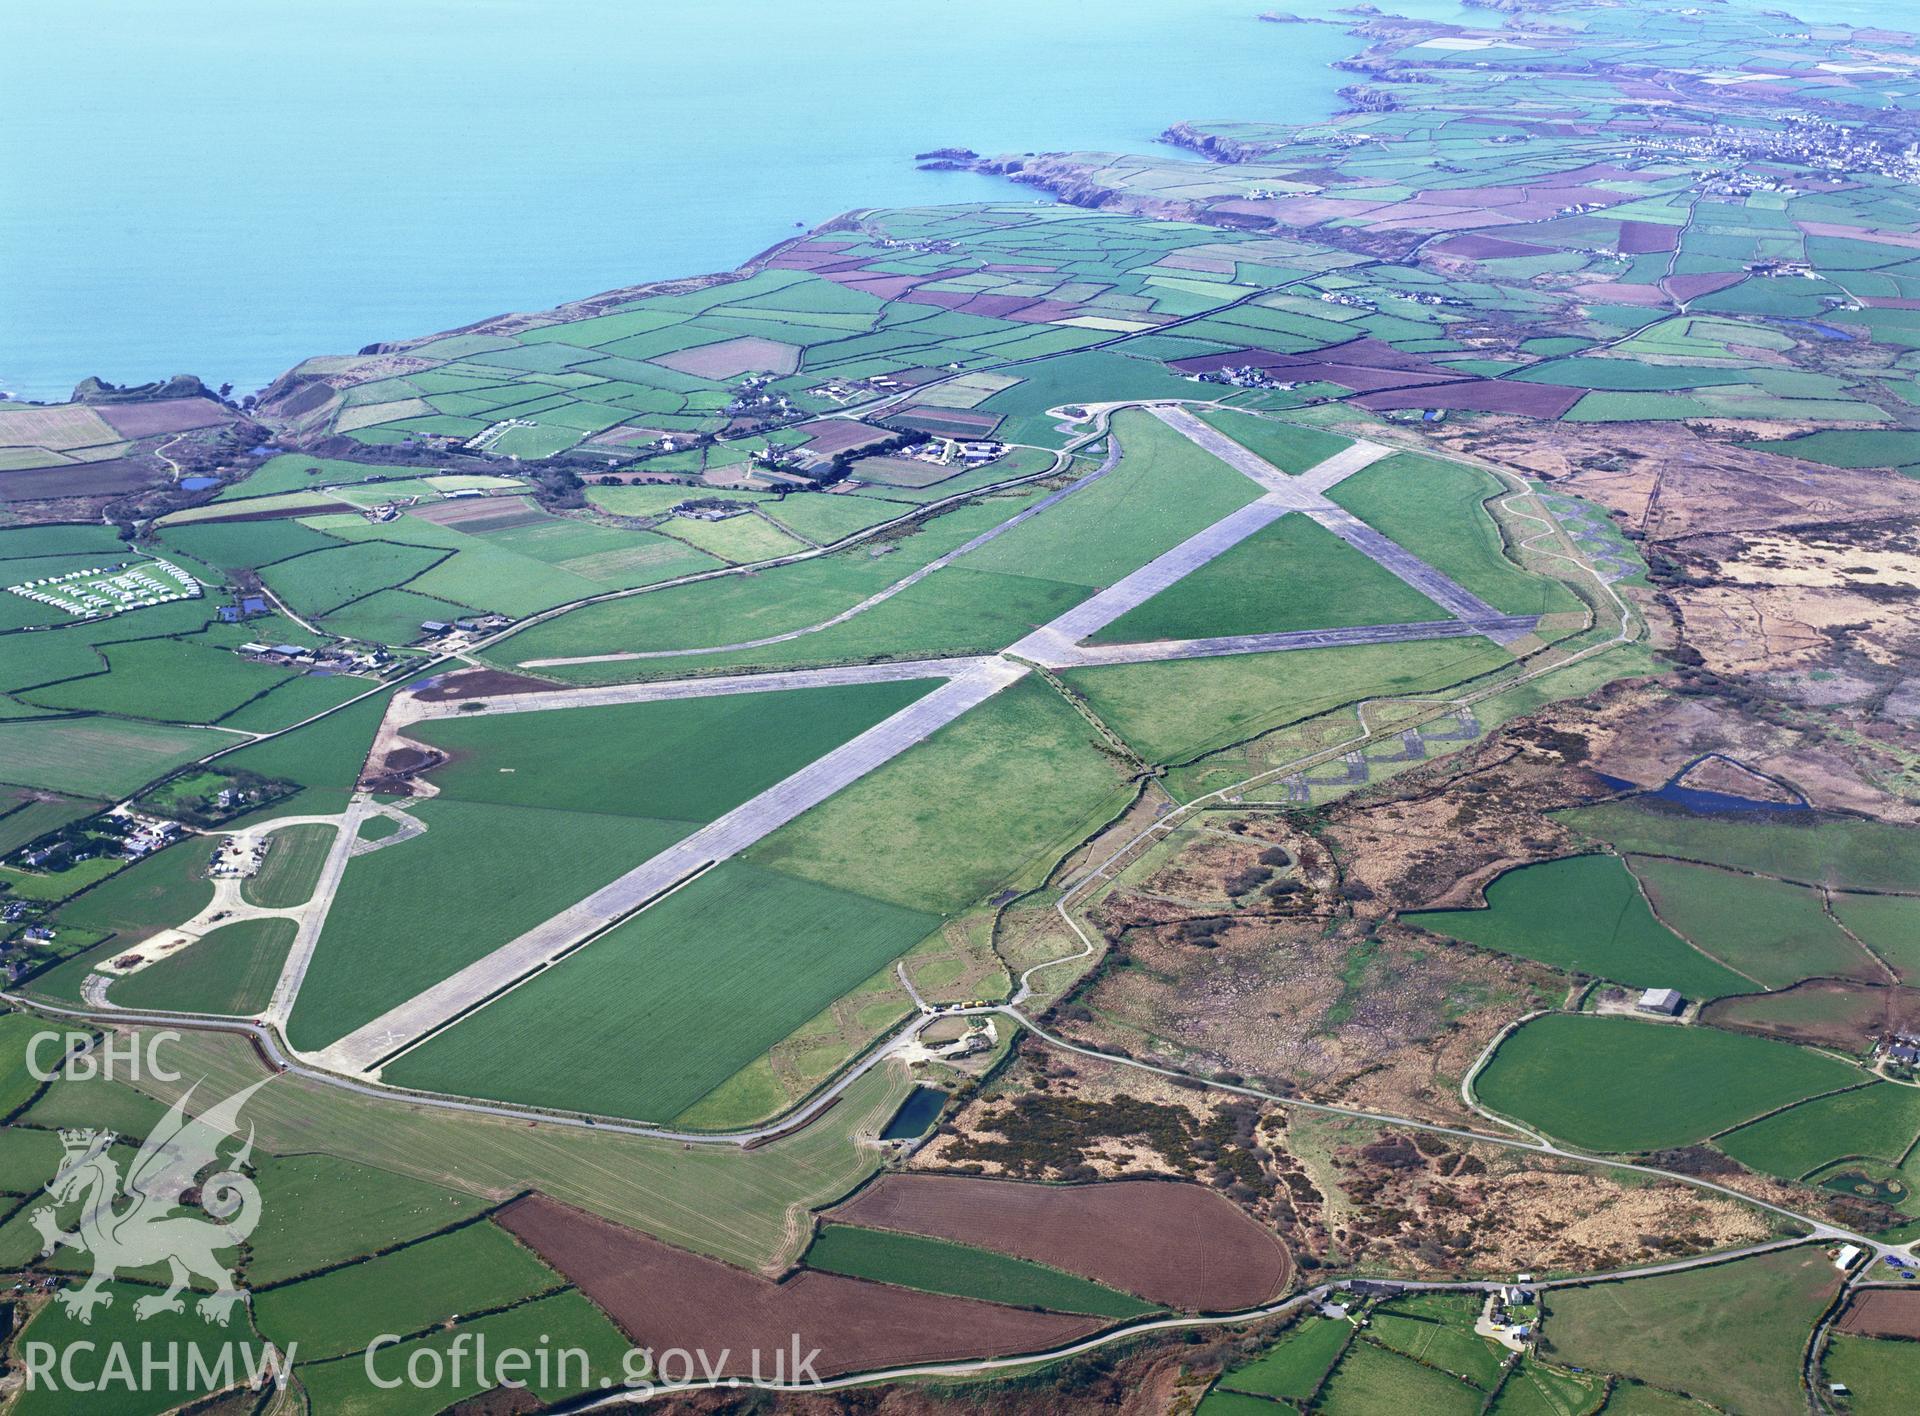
(1883,1313)
(176,415)
(78,479)
(729,358)
(1177,1244)
(827,436)
(665,1298)
(478,683)
(1821,1013)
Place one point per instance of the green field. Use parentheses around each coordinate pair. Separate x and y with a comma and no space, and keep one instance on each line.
(291,869)
(937,1266)
(1881,1373)
(172,680)
(472,1269)
(1585,915)
(165,889)
(1839,852)
(758,949)
(231,969)
(1537,1389)
(1437,510)
(989,799)
(321,1211)
(493,864)
(1294,1368)
(1172,712)
(1295,574)
(1887,924)
(1570,1075)
(1287,446)
(737,539)
(1879,1121)
(1731,1334)
(98,757)
(1773,932)
(1450,1346)
(736,1206)
(1371,1380)
(562,1322)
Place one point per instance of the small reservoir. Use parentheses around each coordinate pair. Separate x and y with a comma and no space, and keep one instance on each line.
(916,1115)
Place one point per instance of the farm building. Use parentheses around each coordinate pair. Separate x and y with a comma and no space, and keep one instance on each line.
(1664,1001)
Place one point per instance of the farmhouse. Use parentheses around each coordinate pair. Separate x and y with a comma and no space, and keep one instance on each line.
(1664,1001)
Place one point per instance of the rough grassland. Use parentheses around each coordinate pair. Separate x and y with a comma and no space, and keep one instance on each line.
(937,1266)
(644,1022)
(471,1269)
(99,757)
(1295,574)
(1769,930)
(1435,510)
(1839,852)
(231,970)
(1572,1077)
(291,869)
(1730,1334)
(1172,712)
(1583,914)
(983,801)
(742,1207)
(1879,1121)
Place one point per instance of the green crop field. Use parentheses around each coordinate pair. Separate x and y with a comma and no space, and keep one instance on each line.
(165,889)
(986,800)
(1371,1379)
(1173,712)
(326,754)
(761,950)
(938,1266)
(564,1322)
(100,757)
(1294,1368)
(685,760)
(1436,510)
(1451,1347)
(322,581)
(172,680)
(295,855)
(737,539)
(481,875)
(1536,1389)
(1164,490)
(1838,852)
(1295,574)
(1888,924)
(1583,914)
(473,1268)
(1731,1334)
(1881,1374)
(321,1211)
(1773,932)
(231,969)
(1879,1121)
(1572,1077)
(741,1207)
(1287,446)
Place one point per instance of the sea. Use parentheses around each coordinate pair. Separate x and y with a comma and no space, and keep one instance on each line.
(225,187)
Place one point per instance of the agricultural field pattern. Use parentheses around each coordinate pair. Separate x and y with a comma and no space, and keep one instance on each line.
(1279,774)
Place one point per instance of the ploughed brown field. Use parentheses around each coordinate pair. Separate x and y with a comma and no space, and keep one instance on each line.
(1884,1313)
(1820,1013)
(175,415)
(1175,1243)
(478,683)
(667,1298)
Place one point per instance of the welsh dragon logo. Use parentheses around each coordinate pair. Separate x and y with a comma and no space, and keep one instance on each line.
(131,1223)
